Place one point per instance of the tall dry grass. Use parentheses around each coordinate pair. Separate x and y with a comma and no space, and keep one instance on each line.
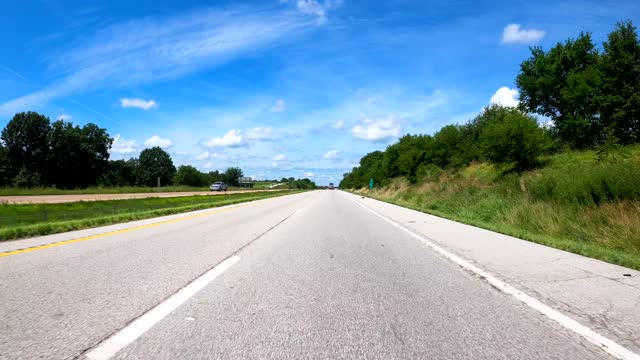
(575,203)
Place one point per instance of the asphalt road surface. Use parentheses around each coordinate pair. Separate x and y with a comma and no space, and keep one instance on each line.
(304,276)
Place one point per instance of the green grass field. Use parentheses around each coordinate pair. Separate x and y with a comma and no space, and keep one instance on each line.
(574,203)
(8,191)
(24,220)
(263,184)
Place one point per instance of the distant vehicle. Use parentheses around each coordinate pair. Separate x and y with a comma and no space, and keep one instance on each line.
(218,186)
(330,186)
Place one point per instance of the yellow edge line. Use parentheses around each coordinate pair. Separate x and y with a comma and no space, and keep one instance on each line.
(116,232)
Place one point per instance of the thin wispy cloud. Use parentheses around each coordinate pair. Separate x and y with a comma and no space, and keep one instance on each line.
(203,156)
(279,106)
(338,125)
(13,72)
(139,103)
(64,117)
(215,156)
(316,8)
(220,156)
(92,110)
(514,34)
(332,154)
(278,160)
(261,134)
(156,48)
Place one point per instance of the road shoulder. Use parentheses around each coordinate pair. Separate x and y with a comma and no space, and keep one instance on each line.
(602,296)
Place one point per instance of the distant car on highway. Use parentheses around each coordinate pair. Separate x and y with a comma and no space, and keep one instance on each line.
(330,186)
(218,186)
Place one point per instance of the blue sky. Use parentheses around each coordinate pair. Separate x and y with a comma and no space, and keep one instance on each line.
(280,88)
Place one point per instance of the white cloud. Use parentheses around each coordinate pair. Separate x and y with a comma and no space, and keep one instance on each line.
(333,154)
(308,174)
(219,156)
(313,7)
(208,156)
(161,47)
(232,138)
(138,103)
(376,130)
(506,97)
(203,156)
(156,140)
(513,34)
(65,117)
(279,157)
(279,106)
(122,146)
(260,133)
(338,125)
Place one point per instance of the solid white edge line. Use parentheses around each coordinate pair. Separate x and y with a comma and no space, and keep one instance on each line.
(134,330)
(610,346)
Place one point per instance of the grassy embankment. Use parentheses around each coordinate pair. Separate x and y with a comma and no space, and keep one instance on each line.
(269,185)
(18,221)
(574,203)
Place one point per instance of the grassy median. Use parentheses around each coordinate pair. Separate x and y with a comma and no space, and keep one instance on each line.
(25,220)
(10,191)
(574,203)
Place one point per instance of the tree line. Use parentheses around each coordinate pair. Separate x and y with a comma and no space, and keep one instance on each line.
(591,96)
(35,152)
(499,134)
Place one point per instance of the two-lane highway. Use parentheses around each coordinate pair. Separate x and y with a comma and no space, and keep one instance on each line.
(311,275)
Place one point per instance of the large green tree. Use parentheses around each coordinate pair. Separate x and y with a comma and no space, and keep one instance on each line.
(78,156)
(564,84)
(620,96)
(26,139)
(232,175)
(155,163)
(5,170)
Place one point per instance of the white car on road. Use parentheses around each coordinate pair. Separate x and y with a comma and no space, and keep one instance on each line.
(218,186)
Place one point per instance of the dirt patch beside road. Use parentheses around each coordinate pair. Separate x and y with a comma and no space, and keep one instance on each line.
(51,199)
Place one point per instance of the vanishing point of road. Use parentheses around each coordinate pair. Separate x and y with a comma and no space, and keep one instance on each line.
(306,276)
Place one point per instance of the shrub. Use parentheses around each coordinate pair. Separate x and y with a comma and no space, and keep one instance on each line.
(428,172)
(512,137)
